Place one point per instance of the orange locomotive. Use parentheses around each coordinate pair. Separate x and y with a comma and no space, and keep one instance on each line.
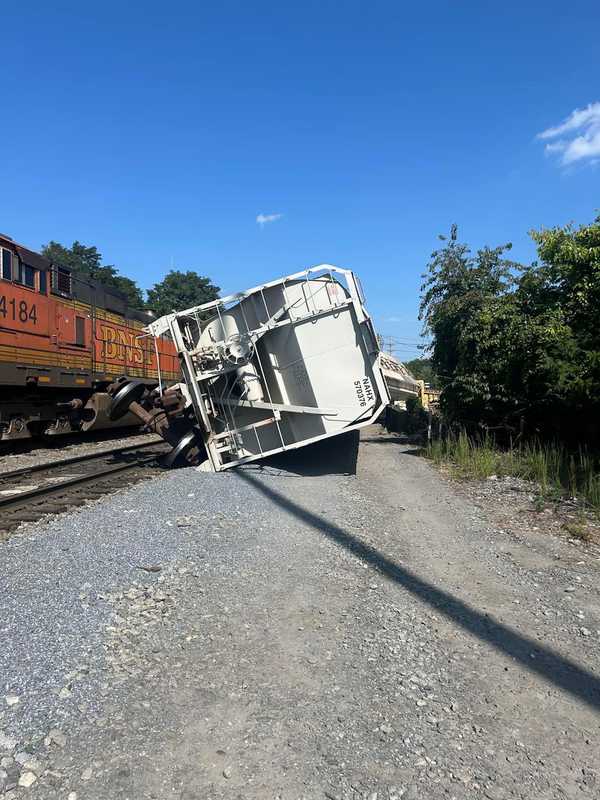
(63,339)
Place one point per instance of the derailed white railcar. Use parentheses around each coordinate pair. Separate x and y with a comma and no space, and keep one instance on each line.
(279,366)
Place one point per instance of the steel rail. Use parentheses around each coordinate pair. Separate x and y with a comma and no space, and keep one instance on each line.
(6,476)
(14,501)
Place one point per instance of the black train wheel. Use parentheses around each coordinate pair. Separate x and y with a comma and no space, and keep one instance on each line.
(127,394)
(182,455)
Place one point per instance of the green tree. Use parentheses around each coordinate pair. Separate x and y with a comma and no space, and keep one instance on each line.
(130,289)
(518,347)
(563,290)
(422,370)
(570,276)
(464,309)
(88,261)
(180,290)
(77,257)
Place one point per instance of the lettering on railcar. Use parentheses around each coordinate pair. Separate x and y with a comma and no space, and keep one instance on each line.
(121,345)
(300,374)
(18,310)
(364,391)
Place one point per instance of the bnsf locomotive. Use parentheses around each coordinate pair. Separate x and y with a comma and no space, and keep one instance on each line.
(63,340)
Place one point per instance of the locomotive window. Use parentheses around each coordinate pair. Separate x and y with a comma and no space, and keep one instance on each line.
(42,287)
(29,276)
(6,265)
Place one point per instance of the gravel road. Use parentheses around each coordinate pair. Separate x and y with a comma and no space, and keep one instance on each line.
(292,632)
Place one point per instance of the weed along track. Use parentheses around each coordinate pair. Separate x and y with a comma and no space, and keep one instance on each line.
(29,493)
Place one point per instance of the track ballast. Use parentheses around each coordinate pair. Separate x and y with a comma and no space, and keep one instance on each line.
(29,493)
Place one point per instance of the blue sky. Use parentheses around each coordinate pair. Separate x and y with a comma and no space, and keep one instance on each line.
(160,131)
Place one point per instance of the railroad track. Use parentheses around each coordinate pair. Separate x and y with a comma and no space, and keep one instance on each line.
(49,443)
(30,493)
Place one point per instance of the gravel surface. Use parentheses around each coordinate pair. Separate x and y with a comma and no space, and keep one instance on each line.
(57,450)
(296,632)
(517,506)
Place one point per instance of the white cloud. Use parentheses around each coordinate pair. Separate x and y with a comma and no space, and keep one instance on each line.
(578,137)
(263,219)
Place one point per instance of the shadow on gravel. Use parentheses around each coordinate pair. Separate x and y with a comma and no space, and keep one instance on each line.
(394,438)
(336,456)
(553,667)
(416,443)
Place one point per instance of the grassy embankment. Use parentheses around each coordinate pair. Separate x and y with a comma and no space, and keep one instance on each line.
(557,472)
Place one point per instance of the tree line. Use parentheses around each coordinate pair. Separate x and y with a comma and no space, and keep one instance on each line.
(516,349)
(177,290)
(422,370)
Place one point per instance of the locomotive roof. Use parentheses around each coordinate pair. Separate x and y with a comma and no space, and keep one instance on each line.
(30,257)
(38,261)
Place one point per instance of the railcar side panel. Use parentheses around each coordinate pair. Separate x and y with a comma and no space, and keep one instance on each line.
(23,309)
(73,340)
(24,333)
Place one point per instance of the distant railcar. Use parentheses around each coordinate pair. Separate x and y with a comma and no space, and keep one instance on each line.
(63,339)
(401,384)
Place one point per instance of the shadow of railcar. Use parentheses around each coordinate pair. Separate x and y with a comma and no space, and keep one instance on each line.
(335,456)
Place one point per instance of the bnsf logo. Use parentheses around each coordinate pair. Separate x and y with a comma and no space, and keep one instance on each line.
(120,344)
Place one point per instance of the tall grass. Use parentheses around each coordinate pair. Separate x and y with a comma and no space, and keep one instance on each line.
(556,470)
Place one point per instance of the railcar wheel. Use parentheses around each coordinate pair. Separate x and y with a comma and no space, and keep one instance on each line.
(182,454)
(127,394)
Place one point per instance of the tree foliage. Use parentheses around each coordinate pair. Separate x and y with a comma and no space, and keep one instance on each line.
(180,290)
(88,261)
(518,348)
(422,370)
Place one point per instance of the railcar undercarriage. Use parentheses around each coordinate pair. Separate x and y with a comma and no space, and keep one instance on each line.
(29,412)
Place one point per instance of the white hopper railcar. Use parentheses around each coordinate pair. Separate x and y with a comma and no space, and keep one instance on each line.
(279,366)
